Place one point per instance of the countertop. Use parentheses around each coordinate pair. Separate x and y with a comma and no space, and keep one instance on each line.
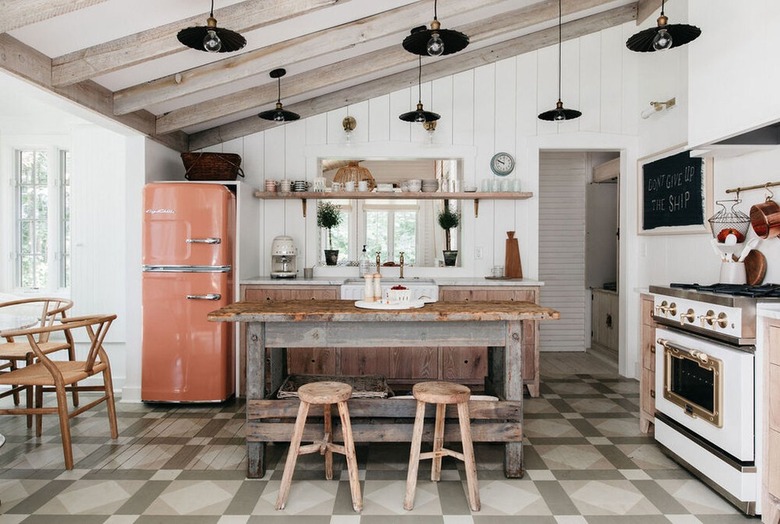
(440,281)
(346,311)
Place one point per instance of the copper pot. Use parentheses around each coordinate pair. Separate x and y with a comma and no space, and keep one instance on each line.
(765,218)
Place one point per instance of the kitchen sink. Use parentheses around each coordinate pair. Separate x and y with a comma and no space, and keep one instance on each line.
(421,288)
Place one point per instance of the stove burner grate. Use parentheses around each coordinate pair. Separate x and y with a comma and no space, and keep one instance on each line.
(742,290)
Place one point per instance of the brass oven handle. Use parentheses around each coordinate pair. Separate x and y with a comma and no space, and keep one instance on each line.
(701,356)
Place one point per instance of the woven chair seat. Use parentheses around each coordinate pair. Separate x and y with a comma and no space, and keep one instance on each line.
(38,375)
(20,350)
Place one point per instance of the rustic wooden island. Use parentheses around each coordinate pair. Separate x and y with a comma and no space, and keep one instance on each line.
(275,327)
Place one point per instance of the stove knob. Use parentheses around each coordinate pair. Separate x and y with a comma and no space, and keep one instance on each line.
(690,316)
(662,308)
(723,320)
(673,309)
(709,318)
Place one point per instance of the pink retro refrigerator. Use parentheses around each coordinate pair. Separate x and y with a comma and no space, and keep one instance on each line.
(188,235)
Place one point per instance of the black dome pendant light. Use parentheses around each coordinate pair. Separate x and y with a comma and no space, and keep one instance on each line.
(279,114)
(419,115)
(559,114)
(435,41)
(663,36)
(211,38)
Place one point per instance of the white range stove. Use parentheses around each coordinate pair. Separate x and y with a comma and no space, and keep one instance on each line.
(706,387)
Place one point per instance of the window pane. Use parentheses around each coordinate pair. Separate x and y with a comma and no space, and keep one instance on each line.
(41,168)
(32,230)
(65,218)
(376,233)
(405,235)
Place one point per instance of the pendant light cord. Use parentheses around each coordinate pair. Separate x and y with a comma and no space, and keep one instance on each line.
(212,9)
(559,50)
(662,7)
(435,10)
(419,80)
(279,90)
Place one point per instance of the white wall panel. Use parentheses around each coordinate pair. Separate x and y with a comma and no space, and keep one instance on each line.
(612,48)
(399,104)
(442,95)
(590,82)
(361,113)
(547,87)
(463,109)
(378,119)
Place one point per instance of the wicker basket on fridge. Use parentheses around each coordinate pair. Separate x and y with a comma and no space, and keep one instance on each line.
(212,166)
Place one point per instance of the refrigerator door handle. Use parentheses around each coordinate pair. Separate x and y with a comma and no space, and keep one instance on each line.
(210,296)
(209,240)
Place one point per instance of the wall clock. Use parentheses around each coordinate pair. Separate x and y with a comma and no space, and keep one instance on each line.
(502,164)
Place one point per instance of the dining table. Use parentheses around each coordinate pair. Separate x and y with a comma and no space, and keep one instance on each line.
(274,327)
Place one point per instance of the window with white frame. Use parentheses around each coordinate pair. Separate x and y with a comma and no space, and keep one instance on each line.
(42,218)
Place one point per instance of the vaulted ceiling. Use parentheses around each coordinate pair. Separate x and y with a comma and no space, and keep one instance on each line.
(122,59)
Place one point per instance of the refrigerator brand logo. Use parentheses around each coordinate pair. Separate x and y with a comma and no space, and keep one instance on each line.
(160,211)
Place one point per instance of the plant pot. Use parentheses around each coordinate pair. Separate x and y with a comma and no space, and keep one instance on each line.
(450,257)
(331,257)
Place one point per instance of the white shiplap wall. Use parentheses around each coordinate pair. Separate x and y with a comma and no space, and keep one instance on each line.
(562,181)
(490,108)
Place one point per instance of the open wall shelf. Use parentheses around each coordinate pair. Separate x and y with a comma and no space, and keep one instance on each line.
(303,196)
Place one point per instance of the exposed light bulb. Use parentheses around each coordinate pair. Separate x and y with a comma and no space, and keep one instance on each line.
(560,116)
(419,118)
(662,40)
(279,117)
(211,42)
(435,45)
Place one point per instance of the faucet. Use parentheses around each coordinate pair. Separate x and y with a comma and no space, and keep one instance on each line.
(401,253)
(378,262)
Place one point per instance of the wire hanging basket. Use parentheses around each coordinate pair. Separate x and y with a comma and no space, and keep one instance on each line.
(729,220)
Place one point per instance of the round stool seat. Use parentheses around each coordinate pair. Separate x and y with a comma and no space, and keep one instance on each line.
(325,392)
(441,392)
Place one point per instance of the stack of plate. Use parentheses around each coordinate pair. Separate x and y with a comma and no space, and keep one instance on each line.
(430,185)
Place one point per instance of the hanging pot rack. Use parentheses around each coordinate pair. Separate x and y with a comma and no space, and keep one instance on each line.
(738,190)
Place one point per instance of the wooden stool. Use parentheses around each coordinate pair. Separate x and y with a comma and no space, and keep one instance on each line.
(441,394)
(324,394)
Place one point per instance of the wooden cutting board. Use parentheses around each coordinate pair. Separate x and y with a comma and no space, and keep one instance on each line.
(755,267)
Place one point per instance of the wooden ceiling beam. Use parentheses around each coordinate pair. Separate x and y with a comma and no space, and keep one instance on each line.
(345,36)
(645,9)
(463,61)
(161,41)
(35,67)
(19,13)
(359,67)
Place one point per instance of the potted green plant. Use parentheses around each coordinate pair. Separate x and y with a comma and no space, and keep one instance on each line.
(328,217)
(449,219)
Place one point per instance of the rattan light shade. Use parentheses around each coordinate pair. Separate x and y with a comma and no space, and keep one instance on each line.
(353,172)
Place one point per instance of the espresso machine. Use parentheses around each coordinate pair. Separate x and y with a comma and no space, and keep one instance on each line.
(283,256)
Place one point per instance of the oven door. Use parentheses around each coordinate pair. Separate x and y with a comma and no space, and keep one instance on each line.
(708,388)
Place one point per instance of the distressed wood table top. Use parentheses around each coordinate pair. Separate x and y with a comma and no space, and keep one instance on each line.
(346,311)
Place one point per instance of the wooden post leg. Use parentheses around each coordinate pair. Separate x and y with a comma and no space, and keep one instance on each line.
(438,442)
(292,455)
(414,456)
(469,461)
(255,390)
(326,411)
(513,390)
(349,451)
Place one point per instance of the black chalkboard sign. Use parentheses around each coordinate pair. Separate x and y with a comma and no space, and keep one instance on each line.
(673,192)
